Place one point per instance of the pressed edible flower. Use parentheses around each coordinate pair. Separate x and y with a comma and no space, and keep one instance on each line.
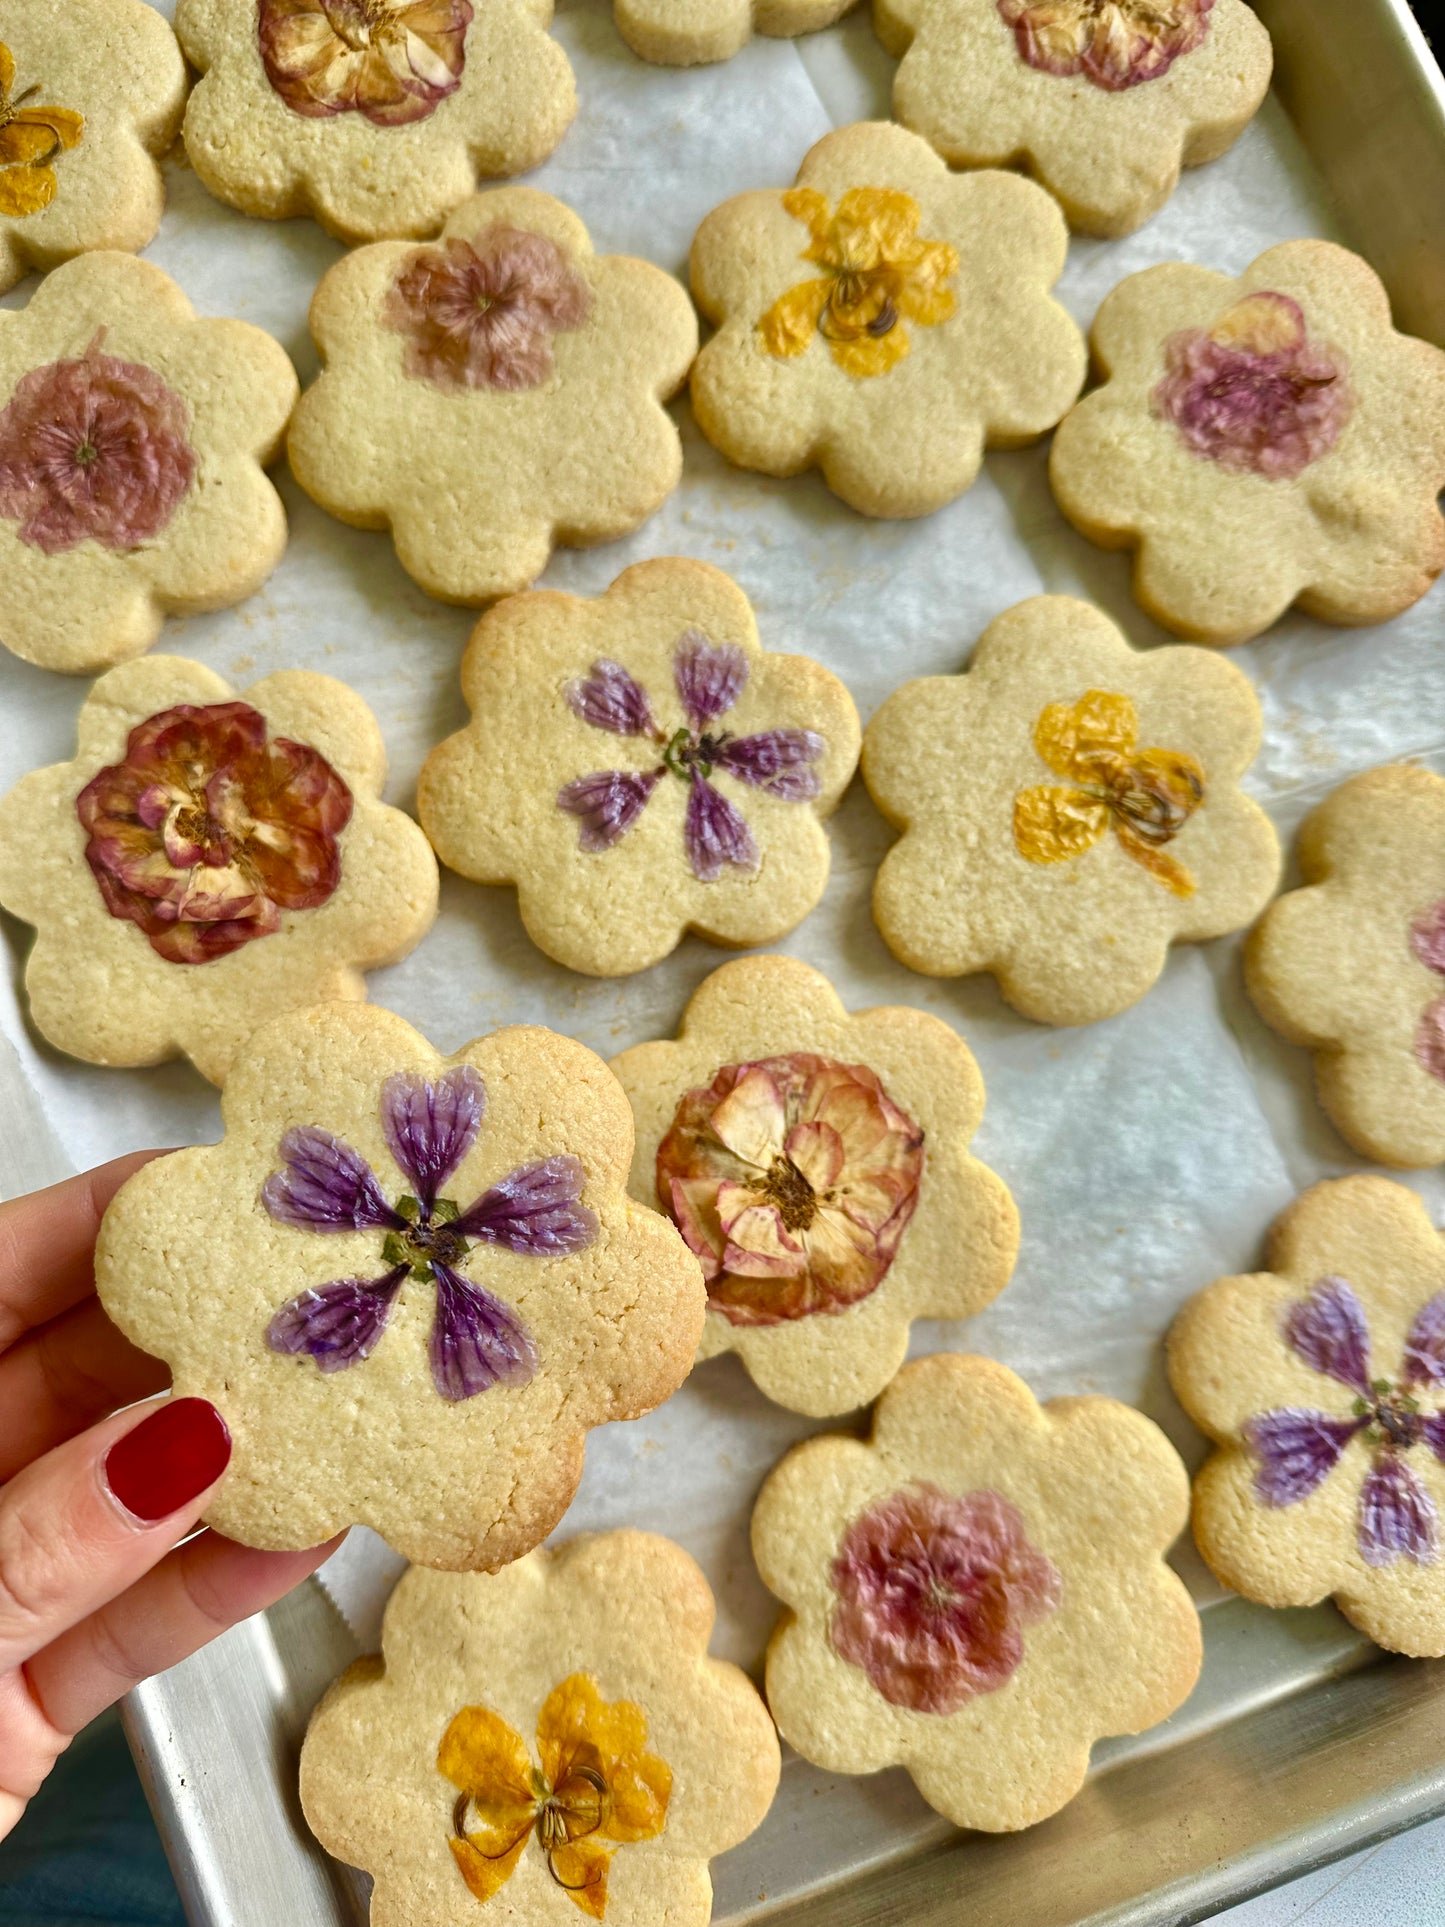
(877,275)
(1113,43)
(31,137)
(1145,795)
(391,61)
(325,1186)
(598,1788)
(1427,940)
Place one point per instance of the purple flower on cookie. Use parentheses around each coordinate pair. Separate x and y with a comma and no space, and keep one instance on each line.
(710,678)
(1298,1448)
(477,1340)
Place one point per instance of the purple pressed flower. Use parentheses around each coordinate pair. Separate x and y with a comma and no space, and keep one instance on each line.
(430,1125)
(1296,1449)
(709,677)
(1427,940)
(1425,1344)
(1397,1515)
(1328,1331)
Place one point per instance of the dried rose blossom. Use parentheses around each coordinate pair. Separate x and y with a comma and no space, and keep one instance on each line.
(477,1340)
(209,829)
(482,314)
(1253,392)
(391,61)
(93,448)
(1113,43)
(934,1594)
(792,1180)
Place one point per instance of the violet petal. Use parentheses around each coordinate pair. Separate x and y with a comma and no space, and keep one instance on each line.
(325,1186)
(534,1209)
(1425,1345)
(431,1125)
(611,699)
(1397,1515)
(715,833)
(1427,937)
(1328,1331)
(710,676)
(609,802)
(1432,1431)
(338,1323)
(476,1340)
(778,761)
(1296,1450)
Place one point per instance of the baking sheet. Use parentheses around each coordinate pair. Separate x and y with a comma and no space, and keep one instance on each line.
(1148,1154)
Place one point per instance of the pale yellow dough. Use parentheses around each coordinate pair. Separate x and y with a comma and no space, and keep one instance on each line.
(686,33)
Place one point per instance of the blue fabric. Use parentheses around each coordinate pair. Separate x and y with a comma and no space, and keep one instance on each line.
(87,1853)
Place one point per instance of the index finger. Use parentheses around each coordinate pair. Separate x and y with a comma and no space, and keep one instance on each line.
(47,1245)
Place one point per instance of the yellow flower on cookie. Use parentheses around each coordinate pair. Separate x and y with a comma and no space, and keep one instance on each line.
(879,274)
(597,1783)
(1145,796)
(30,139)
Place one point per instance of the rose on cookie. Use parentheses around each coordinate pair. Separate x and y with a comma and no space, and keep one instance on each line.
(817,1164)
(705,30)
(883,320)
(979,1572)
(1260,443)
(1070,807)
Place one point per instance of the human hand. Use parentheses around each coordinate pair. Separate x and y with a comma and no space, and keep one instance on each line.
(96,1592)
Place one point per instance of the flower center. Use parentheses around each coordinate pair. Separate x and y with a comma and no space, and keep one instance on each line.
(361,22)
(851,288)
(786,1188)
(687,755)
(86,454)
(1393,1415)
(428,1237)
(938,1596)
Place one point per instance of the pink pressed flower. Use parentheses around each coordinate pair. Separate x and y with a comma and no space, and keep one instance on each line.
(1427,937)
(1430,1039)
(93,449)
(1253,392)
(934,1594)
(1113,43)
(482,314)
(391,61)
(1427,940)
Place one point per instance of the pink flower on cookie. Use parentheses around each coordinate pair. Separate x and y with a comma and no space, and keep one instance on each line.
(392,61)
(1113,43)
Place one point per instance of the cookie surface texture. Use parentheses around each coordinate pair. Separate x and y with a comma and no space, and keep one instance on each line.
(817,1163)
(684,33)
(1103,103)
(968,1490)
(91,95)
(132,439)
(376,116)
(536,419)
(639,766)
(410,1284)
(1260,443)
(883,321)
(207,859)
(553,1740)
(1069,807)
(1322,1382)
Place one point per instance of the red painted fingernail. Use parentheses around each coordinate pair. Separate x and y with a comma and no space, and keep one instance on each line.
(168,1458)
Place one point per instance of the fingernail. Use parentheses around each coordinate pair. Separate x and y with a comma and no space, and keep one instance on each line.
(170,1457)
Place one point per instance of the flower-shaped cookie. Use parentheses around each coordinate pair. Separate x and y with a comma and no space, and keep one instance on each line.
(1322,1381)
(978,1592)
(639,767)
(375,116)
(1260,442)
(132,436)
(91,95)
(493,393)
(553,1737)
(884,321)
(389,1246)
(685,35)
(818,1166)
(1353,965)
(1070,807)
(1103,100)
(205,858)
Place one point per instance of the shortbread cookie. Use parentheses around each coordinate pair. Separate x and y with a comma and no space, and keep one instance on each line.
(639,767)
(1353,965)
(1070,807)
(1322,1381)
(817,1164)
(493,393)
(884,321)
(375,116)
(207,859)
(1102,100)
(684,33)
(552,1737)
(978,1592)
(1260,443)
(132,437)
(410,1283)
(91,95)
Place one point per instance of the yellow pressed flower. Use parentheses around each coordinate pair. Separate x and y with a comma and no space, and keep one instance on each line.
(597,1783)
(1145,795)
(879,274)
(30,138)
